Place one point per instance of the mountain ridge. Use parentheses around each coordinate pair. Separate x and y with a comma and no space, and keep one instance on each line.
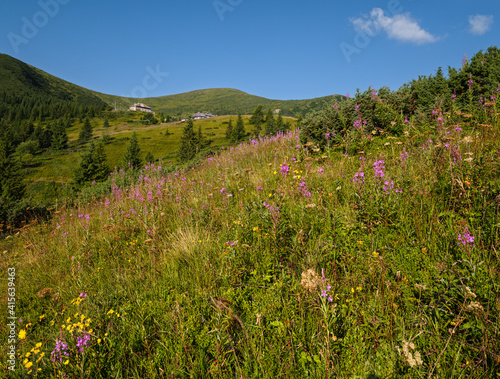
(17,76)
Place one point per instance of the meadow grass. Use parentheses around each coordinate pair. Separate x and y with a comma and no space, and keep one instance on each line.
(53,168)
(274,259)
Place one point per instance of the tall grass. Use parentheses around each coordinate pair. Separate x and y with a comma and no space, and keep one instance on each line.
(275,259)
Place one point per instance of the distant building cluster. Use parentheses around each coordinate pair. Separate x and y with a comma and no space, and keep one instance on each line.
(140,107)
(198,116)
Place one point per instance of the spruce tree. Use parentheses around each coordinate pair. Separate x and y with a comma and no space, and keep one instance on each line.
(106,123)
(270,124)
(12,187)
(200,139)
(257,116)
(93,166)
(229,130)
(149,157)
(239,130)
(132,157)
(187,150)
(59,136)
(86,132)
(279,127)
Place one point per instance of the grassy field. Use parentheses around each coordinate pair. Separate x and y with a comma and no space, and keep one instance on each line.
(273,260)
(54,168)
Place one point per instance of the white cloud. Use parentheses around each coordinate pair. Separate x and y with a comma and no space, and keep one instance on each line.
(400,27)
(480,24)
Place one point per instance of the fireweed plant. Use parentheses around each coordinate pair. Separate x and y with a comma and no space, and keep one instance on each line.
(277,257)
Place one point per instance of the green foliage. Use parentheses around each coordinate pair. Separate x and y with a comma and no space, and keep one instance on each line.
(93,166)
(149,158)
(60,137)
(12,187)
(238,132)
(229,130)
(86,132)
(188,147)
(106,123)
(132,158)
(270,123)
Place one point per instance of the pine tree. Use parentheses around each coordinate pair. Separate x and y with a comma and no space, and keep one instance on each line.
(86,132)
(239,131)
(106,123)
(229,130)
(149,157)
(270,124)
(12,187)
(93,166)
(59,136)
(200,139)
(257,116)
(279,127)
(257,119)
(132,157)
(187,150)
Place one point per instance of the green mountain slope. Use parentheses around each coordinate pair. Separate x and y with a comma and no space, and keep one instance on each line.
(220,101)
(17,77)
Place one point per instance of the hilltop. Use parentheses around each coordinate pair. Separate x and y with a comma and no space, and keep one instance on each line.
(18,77)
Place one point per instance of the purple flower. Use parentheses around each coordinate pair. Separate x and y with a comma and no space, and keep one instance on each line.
(359,177)
(466,240)
(320,171)
(83,295)
(284,170)
(82,342)
(60,350)
(470,82)
(379,168)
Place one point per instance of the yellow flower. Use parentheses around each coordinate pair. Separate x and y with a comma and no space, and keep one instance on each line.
(66,362)
(360,243)
(352,290)
(359,288)
(52,323)
(29,364)
(22,334)
(27,354)
(375,254)
(41,317)
(256,229)
(25,361)
(99,340)
(39,344)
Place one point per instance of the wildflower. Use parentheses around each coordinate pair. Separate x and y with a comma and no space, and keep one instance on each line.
(466,240)
(60,350)
(310,280)
(320,170)
(83,295)
(413,359)
(475,306)
(359,177)
(22,334)
(379,168)
(82,342)
(284,170)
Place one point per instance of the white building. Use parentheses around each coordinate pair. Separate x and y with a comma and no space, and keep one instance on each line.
(140,107)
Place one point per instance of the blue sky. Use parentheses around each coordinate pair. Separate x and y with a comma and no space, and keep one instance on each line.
(277,49)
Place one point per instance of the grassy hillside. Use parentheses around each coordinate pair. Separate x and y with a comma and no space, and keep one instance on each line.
(17,77)
(46,172)
(220,101)
(275,259)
